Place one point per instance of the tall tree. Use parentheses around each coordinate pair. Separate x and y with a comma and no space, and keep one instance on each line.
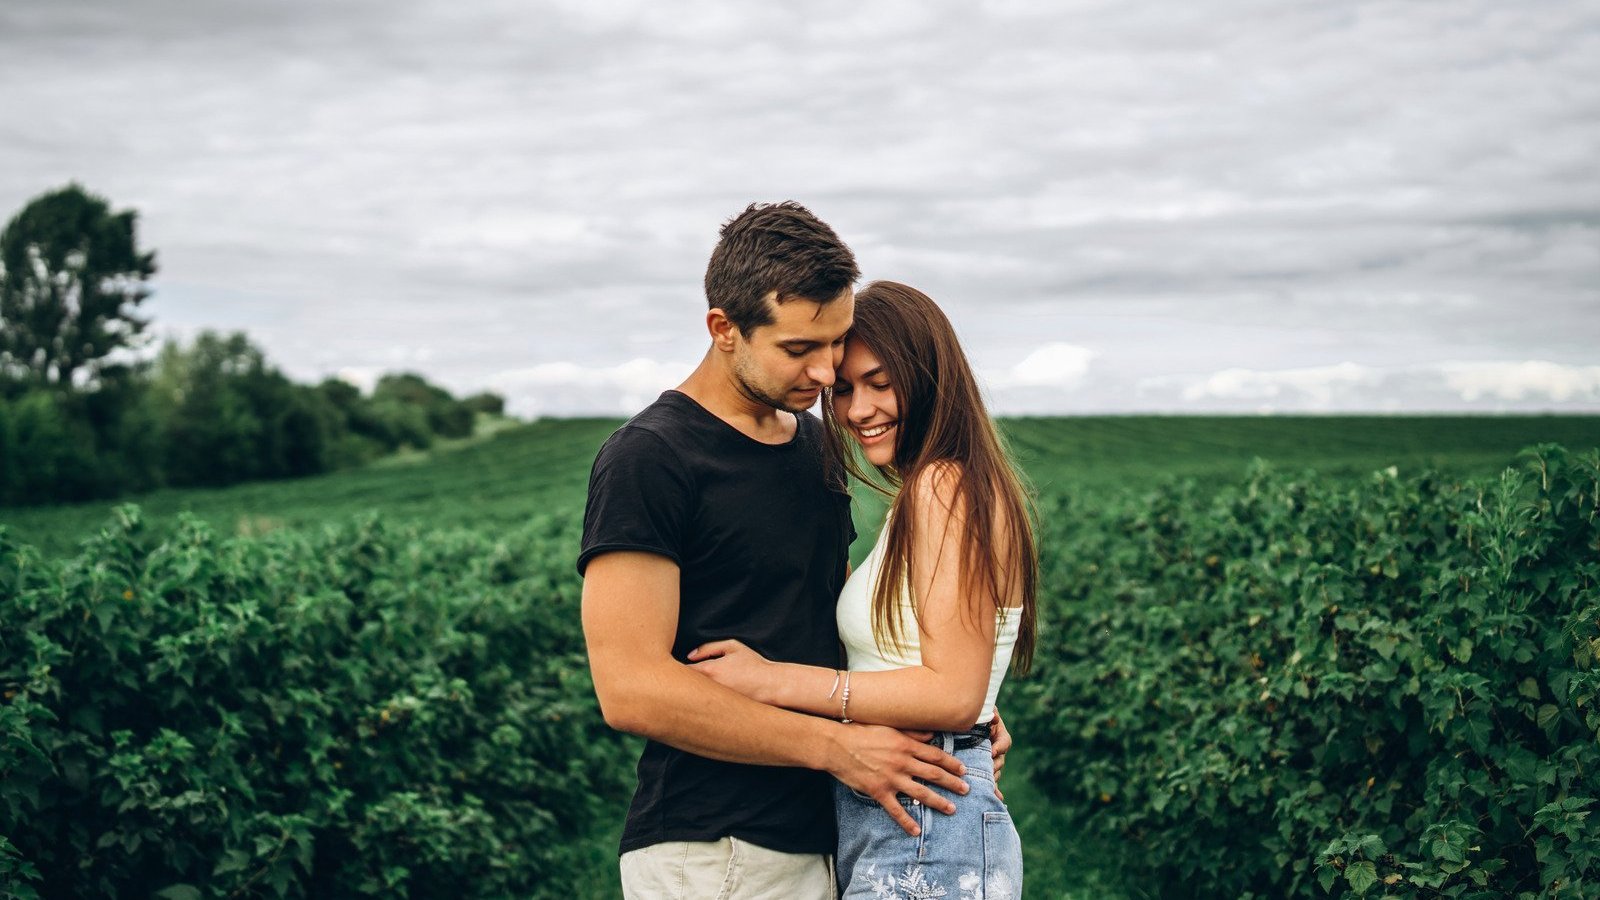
(71,278)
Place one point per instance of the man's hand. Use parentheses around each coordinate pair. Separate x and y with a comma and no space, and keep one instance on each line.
(883,763)
(1000,745)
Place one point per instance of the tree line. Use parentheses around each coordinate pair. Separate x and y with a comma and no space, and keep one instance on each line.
(84,416)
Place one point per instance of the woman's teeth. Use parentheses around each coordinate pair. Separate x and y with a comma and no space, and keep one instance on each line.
(874,431)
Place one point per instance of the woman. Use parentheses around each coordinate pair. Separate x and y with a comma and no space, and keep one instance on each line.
(936,612)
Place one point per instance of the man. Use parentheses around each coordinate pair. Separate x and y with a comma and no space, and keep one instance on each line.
(711,516)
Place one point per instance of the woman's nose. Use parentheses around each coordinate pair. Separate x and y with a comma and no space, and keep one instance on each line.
(860,407)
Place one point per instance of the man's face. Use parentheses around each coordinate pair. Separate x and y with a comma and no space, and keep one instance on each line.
(785,365)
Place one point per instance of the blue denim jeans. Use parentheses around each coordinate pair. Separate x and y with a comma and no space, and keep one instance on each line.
(974,854)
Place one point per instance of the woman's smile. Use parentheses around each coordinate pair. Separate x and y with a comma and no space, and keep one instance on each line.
(871,435)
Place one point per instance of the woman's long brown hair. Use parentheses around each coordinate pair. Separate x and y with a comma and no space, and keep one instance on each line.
(942,420)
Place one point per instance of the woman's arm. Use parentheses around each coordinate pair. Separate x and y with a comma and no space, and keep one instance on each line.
(944,693)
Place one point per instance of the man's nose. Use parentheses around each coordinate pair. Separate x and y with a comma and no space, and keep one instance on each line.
(821,372)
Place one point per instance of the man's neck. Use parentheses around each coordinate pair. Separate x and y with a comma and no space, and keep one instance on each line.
(712,386)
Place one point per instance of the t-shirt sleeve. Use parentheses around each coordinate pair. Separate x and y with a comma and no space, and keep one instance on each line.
(640,498)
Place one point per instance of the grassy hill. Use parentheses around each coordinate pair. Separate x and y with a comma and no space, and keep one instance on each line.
(1136,449)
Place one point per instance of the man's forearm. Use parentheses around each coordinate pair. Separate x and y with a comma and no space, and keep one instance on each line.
(667,702)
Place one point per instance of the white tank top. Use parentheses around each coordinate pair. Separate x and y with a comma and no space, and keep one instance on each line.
(854,614)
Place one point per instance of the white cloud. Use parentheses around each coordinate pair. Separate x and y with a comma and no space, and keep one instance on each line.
(558,388)
(1450,385)
(1316,385)
(365,378)
(1535,380)
(1055,365)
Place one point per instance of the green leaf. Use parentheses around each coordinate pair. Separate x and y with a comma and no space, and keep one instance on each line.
(1385,645)
(104,615)
(1445,848)
(232,861)
(1361,875)
(179,892)
(1547,716)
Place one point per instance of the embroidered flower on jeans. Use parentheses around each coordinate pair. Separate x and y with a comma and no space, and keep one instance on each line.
(912,885)
(1000,886)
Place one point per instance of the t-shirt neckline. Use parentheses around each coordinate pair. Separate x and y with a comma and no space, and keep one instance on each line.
(786,445)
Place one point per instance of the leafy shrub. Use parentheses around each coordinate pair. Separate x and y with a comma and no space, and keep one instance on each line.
(212,414)
(394,424)
(1294,688)
(50,450)
(443,415)
(356,711)
(486,402)
(126,421)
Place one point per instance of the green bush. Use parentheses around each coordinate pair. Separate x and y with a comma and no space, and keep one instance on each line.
(126,420)
(1295,688)
(58,445)
(443,415)
(355,711)
(486,402)
(50,451)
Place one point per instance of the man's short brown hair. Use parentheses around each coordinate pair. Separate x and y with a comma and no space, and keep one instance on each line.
(775,248)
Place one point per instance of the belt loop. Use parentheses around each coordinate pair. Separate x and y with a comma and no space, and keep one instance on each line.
(947,741)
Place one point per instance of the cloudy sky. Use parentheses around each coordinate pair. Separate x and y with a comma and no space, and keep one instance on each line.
(1235,205)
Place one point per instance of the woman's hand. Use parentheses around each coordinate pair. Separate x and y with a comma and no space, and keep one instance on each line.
(733,665)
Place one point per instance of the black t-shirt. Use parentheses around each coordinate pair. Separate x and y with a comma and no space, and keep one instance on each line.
(761,544)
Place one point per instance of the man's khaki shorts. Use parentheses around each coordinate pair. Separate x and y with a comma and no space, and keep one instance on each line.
(729,869)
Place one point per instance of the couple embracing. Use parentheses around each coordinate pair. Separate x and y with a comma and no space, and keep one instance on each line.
(812,732)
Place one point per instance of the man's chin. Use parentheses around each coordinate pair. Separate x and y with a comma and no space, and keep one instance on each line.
(793,401)
(800,402)
(796,409)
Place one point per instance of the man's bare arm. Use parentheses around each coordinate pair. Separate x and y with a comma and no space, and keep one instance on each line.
(630,617)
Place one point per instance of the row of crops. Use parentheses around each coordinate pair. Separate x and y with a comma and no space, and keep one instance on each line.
(340,712)
(1299,688)
(1286,686)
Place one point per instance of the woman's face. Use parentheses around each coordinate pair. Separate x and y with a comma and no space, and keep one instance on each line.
(864,401)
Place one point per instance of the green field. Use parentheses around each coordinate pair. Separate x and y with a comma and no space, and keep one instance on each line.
(502,480)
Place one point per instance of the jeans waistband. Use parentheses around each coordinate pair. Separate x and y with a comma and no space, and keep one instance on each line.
(951,741)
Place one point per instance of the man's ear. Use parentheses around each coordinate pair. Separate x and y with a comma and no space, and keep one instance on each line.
(723,331)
